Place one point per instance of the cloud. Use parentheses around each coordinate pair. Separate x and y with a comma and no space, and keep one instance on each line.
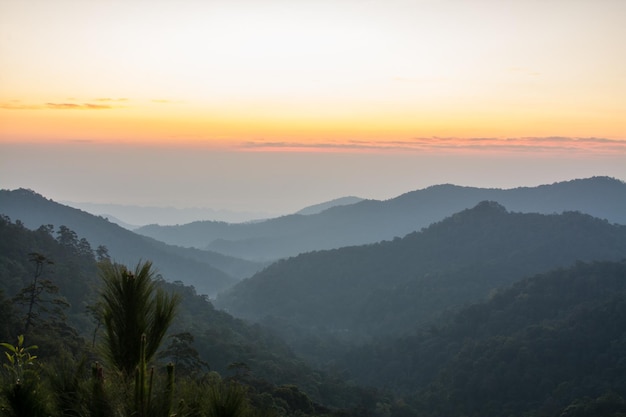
(524,145)
(73,106)
(17,105)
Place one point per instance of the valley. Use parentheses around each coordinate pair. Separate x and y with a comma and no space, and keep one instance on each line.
(513,303)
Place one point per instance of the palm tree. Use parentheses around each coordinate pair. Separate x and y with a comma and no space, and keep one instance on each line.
(133,305)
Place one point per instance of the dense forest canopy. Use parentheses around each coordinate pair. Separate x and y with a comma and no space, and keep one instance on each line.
(390,287)
(548,343)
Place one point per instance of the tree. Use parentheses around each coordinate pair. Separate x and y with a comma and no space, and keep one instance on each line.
(39,295)
(183,355)
(133,305)
(102,254)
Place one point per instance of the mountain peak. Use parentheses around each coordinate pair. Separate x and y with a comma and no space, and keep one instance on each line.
(489,206)
(483,211)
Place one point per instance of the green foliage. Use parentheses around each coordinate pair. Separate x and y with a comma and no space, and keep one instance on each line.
(183,355)
(133,306)
(24,395)
(19,358)
(8,320)
(391,288)
(143,382)
(552,344)
(293,399)
(537,347)
(227,400)
(66,386)
(40,297)
(99,403)
(27,400)
(60,291)
(68,382)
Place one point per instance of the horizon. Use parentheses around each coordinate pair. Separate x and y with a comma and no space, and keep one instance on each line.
(274,105)
(274,183)
(243,215)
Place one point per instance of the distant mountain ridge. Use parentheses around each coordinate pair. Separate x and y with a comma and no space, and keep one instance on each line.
(133,216)
(392,286)
(318,208)
(370,221)
(208,272)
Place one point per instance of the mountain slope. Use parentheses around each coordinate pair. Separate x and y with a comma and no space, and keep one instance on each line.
(371,221)
(552,341)
(214,336)
(192,267)
(390,287)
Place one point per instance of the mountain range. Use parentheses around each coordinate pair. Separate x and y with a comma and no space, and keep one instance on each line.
(208,272)
(371,221)
(491,310)
(389,288)
(318,208)
(239,250)
(132,216)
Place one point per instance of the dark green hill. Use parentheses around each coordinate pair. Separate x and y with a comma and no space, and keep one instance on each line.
(371,221)
(73,270)
(550,343)
(391,287)
(208,272)
(265,363)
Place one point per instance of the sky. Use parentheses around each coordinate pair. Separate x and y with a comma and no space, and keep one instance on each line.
(273,105)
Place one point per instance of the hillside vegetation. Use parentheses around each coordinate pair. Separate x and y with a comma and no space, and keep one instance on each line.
(485,313)
(210,347)
(391,287)
(208,272)
(550,345)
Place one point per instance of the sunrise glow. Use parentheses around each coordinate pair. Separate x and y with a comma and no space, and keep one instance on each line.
(235,73)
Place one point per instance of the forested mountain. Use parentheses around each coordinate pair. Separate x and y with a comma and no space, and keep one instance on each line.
(550,345)
(202,340)
(371,221)
(208,272)
(393,286)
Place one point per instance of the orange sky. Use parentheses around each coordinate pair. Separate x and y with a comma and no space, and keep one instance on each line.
(521,79)
(311,70)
